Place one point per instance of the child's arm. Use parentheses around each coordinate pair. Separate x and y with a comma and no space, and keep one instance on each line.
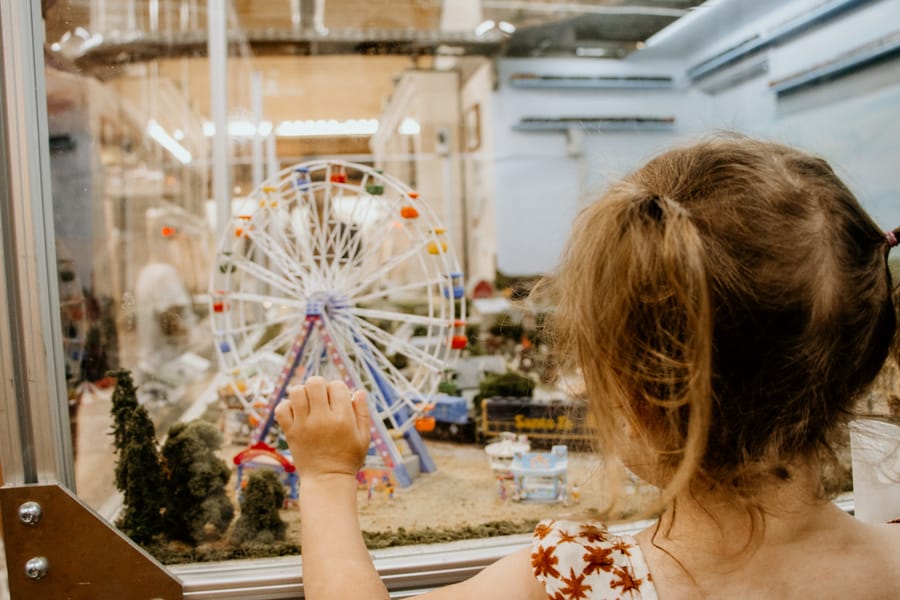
(510,577)
(329,436)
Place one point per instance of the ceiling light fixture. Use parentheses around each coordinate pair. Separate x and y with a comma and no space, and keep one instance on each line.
(321,127)
(156,131)
(409,126)
(484,27)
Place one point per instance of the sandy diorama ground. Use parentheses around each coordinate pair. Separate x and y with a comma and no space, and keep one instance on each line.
(461,499)
(464,497)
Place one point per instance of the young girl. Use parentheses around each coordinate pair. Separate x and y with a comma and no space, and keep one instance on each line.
(726,305)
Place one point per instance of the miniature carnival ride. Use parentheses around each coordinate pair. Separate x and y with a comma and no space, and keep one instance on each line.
(541,476)
(316,275)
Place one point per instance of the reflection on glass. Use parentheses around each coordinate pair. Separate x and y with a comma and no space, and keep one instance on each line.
(502,119)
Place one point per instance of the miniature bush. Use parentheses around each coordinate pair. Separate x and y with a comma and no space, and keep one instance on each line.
(260,521)
(195,480)
(448,387)
(507,385)
(505,327)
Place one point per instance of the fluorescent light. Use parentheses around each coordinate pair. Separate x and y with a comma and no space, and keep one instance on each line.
(409,126)
(506,27)
(178,134)
(484,27)
(241,128)
(159,134)
(326,128)
(91,42)
(244,128)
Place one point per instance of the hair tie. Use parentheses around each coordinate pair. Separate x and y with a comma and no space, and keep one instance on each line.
(891,239)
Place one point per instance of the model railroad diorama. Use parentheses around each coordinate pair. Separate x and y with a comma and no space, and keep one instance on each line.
(340,270)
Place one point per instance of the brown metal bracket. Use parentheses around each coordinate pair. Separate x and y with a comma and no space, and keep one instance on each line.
(57,547)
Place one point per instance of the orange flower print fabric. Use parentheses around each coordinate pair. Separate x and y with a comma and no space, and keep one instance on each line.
(584,561)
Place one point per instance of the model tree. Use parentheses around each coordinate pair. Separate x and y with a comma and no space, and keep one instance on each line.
(141,518)
(195,479)
(124,400)
(260,521)
(124,403)
(138,472)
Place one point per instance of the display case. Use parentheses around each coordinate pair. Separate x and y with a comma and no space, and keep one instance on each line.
(178,177)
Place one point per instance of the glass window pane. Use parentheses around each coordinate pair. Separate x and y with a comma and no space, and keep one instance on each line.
(399,174)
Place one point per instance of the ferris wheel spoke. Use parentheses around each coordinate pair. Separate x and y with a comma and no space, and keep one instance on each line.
(376,223)
(265,299)
(281,232)
(284,339)
(308,199)
(257,327)
(418,285)
(267,276)
(279,257)
(370,359)
(347,239)
(332,256)
(303,244)
(380,273)
(380,336)
(399,317)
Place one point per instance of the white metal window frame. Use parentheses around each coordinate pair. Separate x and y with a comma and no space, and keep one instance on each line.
(35,439)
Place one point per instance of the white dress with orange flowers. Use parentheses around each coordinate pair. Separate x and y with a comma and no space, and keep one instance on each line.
(582,560)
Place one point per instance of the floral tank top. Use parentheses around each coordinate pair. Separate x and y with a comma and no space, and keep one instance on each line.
(582,560)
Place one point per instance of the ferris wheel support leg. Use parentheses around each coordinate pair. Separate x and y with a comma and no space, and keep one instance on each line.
(426,463)
(416,444)
(296,353)
(381,437)
(383,443)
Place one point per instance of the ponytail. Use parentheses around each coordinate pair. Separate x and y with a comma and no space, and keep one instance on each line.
(635,313)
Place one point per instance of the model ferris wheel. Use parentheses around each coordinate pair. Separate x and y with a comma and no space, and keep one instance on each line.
(336,269)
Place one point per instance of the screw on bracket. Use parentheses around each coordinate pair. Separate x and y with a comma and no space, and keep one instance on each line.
(36,568)
(30,513)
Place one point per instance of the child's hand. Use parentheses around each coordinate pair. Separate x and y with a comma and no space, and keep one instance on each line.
(326,430)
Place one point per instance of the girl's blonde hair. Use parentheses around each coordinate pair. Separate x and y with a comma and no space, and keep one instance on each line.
(729,302)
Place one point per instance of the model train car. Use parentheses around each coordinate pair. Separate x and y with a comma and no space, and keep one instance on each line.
(546,422)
